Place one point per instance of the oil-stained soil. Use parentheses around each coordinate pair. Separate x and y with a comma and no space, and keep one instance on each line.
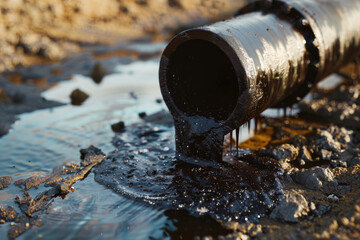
(60,182)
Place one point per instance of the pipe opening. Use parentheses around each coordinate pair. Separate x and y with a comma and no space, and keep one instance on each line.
(202,80)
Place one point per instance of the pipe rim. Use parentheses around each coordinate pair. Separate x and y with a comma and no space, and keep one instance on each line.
(238,112)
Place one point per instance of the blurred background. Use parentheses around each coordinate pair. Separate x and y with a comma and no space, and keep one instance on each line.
(49,30)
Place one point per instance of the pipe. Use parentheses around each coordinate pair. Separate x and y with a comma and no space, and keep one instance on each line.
(215,78)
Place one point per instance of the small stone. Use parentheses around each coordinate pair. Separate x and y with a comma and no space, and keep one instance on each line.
(324,141)
(142,114)
(321,210)
(312,206)
(118,127)
(2,221)
(357,208)
(326,154)
(254,230)
(27,225)
(338,163)
(304,156)
(34,181)
(8,214)
(285,151)
(333,196)
(316,178)
(291,208)
(91,155)
(78,97)
(333,226)
(97,73)
(345,221)
(19,182)
(12,224)
(5,181)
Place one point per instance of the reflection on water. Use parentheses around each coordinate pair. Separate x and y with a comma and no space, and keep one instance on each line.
(44,139)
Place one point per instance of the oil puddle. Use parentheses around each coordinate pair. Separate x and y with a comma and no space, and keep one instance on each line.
(144,168)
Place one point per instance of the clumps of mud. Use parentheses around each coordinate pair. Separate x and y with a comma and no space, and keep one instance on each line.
(118,127)
(78,97)
(98,73)
(60,182)
(5,181)
(143,167)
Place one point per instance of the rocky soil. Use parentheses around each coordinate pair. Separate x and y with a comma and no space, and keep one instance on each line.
(40,31)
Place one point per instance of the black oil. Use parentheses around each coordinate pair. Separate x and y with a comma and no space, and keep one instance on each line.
(144,168)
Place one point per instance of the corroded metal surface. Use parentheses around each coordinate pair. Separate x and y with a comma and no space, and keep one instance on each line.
(217,77)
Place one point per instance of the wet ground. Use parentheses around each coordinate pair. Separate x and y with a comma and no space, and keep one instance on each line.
(294,170)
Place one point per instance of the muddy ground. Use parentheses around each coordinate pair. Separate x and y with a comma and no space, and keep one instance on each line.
(50,30)
(320,159)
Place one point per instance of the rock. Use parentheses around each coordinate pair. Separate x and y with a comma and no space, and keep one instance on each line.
(97,73)
(19,182)
(323,140)
(304,156)
(254,230)
(5,181)
(341,134)
(285,151)
(78,97)
(293,207)
(316,178)
(284,154)
(34,181)
(118,127)
(8,214)
(338,163)
(142,114)
(298,141)
(91,155)
(321,210)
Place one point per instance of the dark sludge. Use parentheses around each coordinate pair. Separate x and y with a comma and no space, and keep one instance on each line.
(143,168)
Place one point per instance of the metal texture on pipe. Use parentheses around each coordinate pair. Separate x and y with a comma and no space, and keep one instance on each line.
(217,77)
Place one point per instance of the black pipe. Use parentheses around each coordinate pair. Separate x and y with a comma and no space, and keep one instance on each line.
(217,77)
